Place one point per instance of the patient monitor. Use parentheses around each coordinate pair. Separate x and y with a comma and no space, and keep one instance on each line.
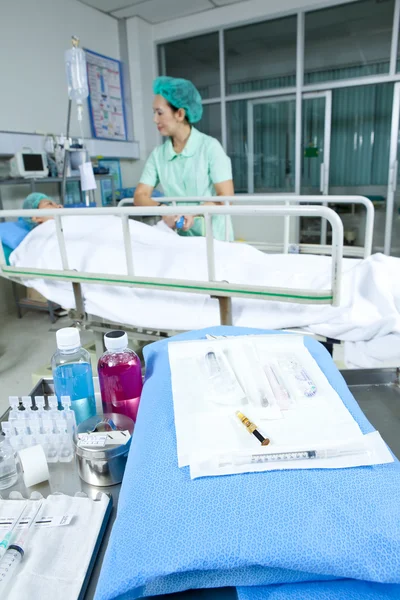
(28,164)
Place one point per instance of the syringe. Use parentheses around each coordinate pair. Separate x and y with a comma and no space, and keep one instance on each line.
(8,565)
(7,538)
(303,381)
(280,392)
(15,552)
(252,459)
(223,385)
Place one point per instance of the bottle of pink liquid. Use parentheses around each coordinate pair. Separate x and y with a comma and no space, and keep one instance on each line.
(120,376)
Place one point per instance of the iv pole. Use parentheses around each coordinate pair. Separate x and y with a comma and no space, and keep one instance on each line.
(67,151)
(64,178)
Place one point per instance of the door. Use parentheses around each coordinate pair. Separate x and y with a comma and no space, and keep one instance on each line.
(316,144)
(317,114)
(271,124)
(271,136)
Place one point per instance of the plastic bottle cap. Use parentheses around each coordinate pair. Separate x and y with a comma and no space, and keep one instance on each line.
(68,338)
(116,340)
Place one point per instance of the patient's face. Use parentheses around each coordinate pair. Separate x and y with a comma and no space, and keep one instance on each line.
(46,203)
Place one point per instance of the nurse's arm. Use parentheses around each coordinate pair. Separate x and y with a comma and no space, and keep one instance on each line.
(224,188)
(143,197)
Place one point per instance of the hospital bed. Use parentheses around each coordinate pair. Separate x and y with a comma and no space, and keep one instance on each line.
(208,286)
(223,291)
(289,199)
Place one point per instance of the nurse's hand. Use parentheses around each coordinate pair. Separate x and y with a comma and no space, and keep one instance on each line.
(188,222)
(172,220)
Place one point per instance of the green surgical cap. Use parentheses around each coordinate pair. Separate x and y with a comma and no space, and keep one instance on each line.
(30,202)
(181,93)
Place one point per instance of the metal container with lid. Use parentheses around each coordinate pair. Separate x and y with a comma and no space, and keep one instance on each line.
(103,466)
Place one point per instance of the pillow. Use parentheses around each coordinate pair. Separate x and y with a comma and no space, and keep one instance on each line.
(7,251)
(12,233)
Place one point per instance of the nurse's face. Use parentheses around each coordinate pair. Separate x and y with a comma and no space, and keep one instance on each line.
(165,118)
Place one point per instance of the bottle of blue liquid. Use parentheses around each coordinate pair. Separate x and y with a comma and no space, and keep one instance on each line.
(72,374)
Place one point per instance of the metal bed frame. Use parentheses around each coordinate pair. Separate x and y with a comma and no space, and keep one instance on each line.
(222,291)
(287,199)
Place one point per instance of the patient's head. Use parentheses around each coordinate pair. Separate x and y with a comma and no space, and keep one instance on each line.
(39,201)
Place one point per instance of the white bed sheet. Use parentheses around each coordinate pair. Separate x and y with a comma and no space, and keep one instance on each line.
(368,318)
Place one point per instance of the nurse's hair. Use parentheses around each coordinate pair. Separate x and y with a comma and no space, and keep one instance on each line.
(175,110)
(180,93)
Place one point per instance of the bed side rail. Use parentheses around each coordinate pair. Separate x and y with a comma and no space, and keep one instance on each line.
(356,251)
(209,286)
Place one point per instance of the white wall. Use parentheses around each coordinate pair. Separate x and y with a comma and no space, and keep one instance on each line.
(33,39)
(143,70)
(33,97)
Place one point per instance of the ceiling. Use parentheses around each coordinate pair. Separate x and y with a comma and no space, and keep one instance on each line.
(156,11)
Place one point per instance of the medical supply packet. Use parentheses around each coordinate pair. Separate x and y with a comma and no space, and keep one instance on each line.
(275,382)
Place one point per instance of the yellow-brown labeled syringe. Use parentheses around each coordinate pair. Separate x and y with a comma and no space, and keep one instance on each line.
(252,428)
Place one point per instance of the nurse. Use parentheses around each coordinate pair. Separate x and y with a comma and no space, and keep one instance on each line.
(189,163)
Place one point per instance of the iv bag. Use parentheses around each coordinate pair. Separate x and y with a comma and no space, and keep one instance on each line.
(75,66)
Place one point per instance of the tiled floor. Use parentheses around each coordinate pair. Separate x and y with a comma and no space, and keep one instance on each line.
(25,345)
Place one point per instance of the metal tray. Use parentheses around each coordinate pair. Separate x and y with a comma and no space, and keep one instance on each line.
(64,478)
(377,391)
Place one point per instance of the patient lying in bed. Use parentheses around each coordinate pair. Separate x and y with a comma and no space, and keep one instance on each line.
(13,232)
(39,201)
(368,318)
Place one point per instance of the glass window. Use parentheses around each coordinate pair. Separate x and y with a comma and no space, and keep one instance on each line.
(211,121)
(273,122)
(261,56)
(361,120)
(195,58)
(398,55)
(274,146)
(236,116)
(350,40)
(313,144)
(273,161)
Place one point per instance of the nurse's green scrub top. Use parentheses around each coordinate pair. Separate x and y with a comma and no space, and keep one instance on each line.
(193,172)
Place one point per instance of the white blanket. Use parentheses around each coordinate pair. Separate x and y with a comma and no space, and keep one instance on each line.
(368,318)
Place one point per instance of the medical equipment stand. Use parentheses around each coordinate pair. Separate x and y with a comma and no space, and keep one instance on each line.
(225,309)
(65,166)
(34,183)
(48,306)
(89,196)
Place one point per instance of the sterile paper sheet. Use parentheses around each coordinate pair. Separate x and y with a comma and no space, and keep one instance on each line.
(56,558)
(375,453)
(206,429)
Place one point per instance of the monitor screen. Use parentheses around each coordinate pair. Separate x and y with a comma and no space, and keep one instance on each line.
(33,162)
